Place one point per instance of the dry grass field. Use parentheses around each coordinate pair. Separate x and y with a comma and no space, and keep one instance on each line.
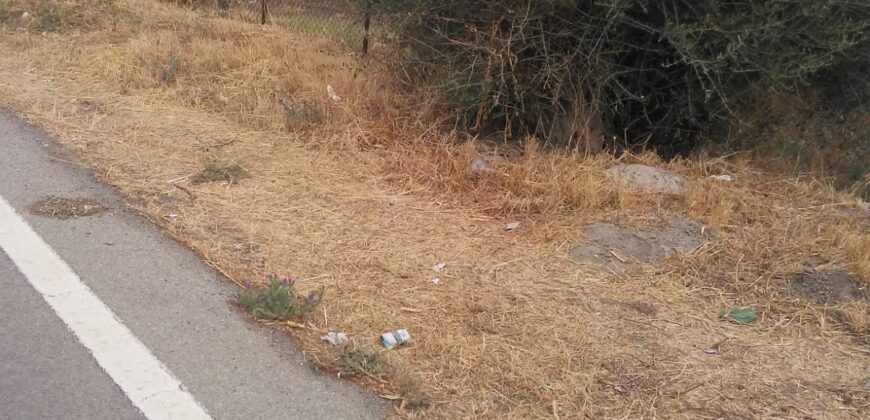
(221,131)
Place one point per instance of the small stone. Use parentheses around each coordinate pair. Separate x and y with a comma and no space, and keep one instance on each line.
(335,338)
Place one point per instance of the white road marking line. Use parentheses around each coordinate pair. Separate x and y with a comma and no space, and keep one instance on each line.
(148,384)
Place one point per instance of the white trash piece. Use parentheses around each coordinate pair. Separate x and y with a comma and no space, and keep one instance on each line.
(396,337)
(512,226)
(335,338)
(723,178)
(439,267)
(477,165)
(332,95)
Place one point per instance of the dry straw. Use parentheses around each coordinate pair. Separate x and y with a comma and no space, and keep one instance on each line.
(367,198)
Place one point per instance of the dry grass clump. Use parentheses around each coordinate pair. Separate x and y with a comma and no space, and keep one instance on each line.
(365,201)
(216,172)
(66,208)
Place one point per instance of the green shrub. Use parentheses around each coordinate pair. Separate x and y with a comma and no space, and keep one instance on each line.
(279,300)
(657,71)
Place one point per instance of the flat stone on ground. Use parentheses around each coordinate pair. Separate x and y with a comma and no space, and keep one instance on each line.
(643,178)
(619,247)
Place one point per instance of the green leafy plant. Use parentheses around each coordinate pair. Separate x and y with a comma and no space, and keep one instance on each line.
(279,300)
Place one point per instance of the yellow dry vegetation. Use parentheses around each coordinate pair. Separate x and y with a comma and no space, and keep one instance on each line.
(366,194)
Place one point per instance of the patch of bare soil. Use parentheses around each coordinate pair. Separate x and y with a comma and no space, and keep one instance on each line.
(827,286)
(67,208)
(618,248)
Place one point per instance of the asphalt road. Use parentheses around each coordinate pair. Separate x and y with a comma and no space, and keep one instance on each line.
(173,303)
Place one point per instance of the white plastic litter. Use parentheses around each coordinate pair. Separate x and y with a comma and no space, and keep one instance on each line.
(436,280)
(394,338)
(332,95)
(723,178)
(512,226)
(335,338)
(439,267)
(477,165)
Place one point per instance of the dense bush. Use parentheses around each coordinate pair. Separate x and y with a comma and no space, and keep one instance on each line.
(650,71)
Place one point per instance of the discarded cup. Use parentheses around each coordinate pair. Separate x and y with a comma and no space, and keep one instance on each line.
(396,337)
(335,338)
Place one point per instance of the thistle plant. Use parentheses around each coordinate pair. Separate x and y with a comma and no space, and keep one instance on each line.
(279,299)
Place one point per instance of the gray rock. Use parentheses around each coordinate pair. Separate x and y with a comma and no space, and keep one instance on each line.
(618,247)
(644,178)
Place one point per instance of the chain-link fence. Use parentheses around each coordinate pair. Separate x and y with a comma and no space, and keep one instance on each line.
(335,19)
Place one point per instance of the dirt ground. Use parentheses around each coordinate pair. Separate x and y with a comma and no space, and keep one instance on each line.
(364,196)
